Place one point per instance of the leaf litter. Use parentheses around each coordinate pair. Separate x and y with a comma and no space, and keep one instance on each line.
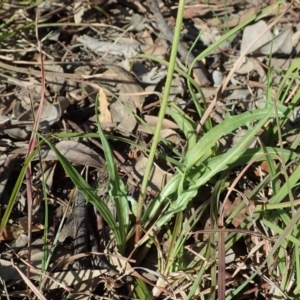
(100,53)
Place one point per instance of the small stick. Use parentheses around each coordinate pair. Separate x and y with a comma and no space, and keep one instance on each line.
(80,229)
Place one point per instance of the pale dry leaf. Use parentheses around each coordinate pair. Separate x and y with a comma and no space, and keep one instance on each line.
(16,133)
(129,49)
(236,19)
(31,92)
(53,280)
(130,97)
(177,87)
(168,134)
(244,97)
(295,39)
(147,38)
(125,39)
(73,277)
(152,122)
(104,113)
(282,43)
(49,116)
(4,119)
(51,113)
(129,86)
(281,63)
(217,76)
(157,177)
(9,274)
(54,82)
(76,153)
(154,76)
(171,136)
(191,11)
(5,144)
(208,92)
(121,264)
(3,158)
(21,241)
(266,44)
(122,115)
(239,135)
(251,32)
(49,176)
(78,11)
(61,105)
(243,214)
(246,67)
(137,22)
(113,48)
(155,50)
(259,69)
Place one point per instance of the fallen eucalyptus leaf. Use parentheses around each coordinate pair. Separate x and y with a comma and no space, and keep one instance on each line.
(157,177)
(76,153)
(267,43)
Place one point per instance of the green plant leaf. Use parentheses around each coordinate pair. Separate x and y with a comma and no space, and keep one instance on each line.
(88,192)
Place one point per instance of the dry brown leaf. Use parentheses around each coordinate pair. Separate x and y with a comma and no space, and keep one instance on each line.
(244,68)
(152,122)
(235,20)
(242,215)
(262,170)
(192,11)
(76,153)
(122,115)
(168,134)
(12,232)
(171,136)
(130,97)
(157,176)
(129,86)
(51,114)
(104,113)
(54,82)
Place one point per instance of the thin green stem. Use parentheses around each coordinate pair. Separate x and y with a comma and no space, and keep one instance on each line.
(161,115)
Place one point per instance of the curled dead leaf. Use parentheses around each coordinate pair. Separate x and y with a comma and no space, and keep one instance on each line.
(157,177)
(104,113)
(51,113)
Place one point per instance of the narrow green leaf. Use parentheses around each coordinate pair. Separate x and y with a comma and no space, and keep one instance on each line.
(204,145)
(117,189)
(16,189)
(88,192)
